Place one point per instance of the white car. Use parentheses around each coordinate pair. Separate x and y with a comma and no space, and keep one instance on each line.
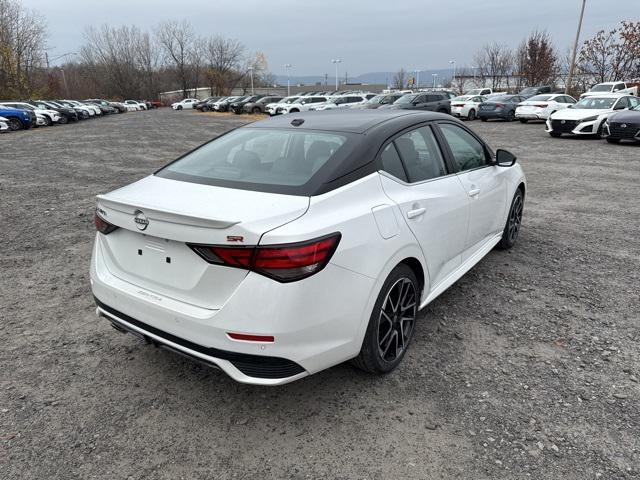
(481,92)
(4,124)
(344,101)
(303,104)
(272,108)
(466,106)
(46,115)
(620,88)
(186,103)
(540,107)
(285,247)
(91,108)
(136,106)
(588,116)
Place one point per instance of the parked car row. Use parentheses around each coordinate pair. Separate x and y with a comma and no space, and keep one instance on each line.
(19,115)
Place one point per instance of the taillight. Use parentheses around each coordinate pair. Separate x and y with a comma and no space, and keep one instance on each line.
(102,225)
(499,105)
(541,105)
(458,105)
(284,262)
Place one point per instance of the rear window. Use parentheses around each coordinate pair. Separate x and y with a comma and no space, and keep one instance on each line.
(247,158)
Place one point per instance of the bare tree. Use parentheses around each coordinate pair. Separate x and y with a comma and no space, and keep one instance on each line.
(536,60)
(22,50)
(596,55)
(400,79)
(177,41)
(224,57)
(495,64)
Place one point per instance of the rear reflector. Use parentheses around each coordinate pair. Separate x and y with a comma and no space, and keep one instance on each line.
(251,338)
(284,263)
(102,225)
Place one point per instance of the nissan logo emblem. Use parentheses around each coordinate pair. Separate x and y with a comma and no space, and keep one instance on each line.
(624,125)
(563,122)
(141,221)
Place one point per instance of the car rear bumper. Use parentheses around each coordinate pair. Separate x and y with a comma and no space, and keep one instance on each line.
(316,322)
(531,116)
(492,114)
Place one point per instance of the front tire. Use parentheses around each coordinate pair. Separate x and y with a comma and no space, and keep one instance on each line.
(391,324)
(514,221)
(555,134)
(15,124)
(613,140)
(179,107)
(256,110)
(523,120)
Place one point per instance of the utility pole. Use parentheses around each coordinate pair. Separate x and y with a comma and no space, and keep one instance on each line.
(567,84)
(288,66)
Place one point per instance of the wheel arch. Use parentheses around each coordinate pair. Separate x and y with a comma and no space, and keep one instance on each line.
(414,264)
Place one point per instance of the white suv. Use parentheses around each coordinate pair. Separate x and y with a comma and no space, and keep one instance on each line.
(346,101)
(186,103)
(303,104)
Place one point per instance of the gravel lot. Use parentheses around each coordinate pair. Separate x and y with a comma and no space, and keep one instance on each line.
(528,367)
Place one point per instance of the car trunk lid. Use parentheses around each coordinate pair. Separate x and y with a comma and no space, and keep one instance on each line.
(158,217)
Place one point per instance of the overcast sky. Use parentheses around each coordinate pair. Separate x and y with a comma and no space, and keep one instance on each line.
(369,36)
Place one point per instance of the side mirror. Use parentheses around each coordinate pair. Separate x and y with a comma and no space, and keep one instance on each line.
(505,158)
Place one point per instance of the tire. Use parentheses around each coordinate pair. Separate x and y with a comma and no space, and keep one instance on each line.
(482,119)
(555,134)
(205,109)
(600,131)
(443,110)
(256,110)
(380,353)
(511,116)
(48,121)
(514,221)
(294,110)
(15,124)
(179,107)
(523,120)
(471,116)
(613,140)
(63,120)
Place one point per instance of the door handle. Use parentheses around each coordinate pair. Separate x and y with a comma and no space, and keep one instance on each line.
(416,213)
(473,192)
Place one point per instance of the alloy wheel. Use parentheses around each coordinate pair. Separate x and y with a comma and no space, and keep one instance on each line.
(397,319)
(515,218)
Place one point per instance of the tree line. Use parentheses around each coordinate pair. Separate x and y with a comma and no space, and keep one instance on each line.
(121,61)
(607,56)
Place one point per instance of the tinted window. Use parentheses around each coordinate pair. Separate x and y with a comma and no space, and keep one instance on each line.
(468,152)
(420,154)
(633,102)
(258,156)
(391,162)
(620,104)
(619,86)
(433,98)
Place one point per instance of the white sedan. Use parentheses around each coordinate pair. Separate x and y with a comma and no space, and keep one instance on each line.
(345,101)
(186,103)
(540,107)
(588,116)
(284,247)
(466,106)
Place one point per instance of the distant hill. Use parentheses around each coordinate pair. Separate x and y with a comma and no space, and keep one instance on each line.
(372,77)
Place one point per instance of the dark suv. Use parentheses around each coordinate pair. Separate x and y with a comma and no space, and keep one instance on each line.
(260,106)
(237,106)
(431,101)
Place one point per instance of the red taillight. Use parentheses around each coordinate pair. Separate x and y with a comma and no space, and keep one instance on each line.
(102,225)
(499,105)
(541,105)
(251,338)
(284,263)
(458,105)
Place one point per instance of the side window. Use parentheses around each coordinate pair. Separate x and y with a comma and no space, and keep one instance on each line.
(619,86)
(633,102)
(620,104)
(421,155)
(391,162)
(433,98)
(468,152)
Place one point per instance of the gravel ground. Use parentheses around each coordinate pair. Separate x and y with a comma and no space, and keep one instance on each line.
(528,367)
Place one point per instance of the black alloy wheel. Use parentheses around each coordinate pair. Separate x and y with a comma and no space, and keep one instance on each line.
(514,221)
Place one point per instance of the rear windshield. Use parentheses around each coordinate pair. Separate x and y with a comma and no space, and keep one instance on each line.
(252,158)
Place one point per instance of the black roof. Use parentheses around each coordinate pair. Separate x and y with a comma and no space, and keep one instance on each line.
(347,120)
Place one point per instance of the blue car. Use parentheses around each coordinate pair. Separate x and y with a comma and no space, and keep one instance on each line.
(502,107)
(17,118)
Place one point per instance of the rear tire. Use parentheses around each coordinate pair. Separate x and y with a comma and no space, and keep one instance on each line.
(392,323)
(511,116)
(256,110)
(63,120)
(514,221)
(15,124)
(523,120)
(205,109)
(471,115)
(482,119)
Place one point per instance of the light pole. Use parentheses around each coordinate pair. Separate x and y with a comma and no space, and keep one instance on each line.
(434,76)
(453,62)
(288,66)
(336,61)
(417,72)
(567,84)
(251,71)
